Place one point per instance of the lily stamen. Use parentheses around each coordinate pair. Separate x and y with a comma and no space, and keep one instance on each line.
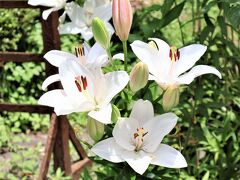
(174,53)
(79,50)
(81,83)
(138,136)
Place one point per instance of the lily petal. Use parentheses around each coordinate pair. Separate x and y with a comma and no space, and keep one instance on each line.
(47,12)
(109,28)
(148,55)
(139,161)
(123,132)
(168,157)
(115,82)
(157,128)
(62,18)
(42,3)
(54,98)
(86,33)
(152,78)
(97,55)
(103,115)
(69,28)
(189,55)
(87,48)
(56,58)
(119,56)
(108,149)
(142,111)
(62,103)
(162,46)
(75,12)
(196,71)
(50,80)
(104,12)
(68,71)
(82,107)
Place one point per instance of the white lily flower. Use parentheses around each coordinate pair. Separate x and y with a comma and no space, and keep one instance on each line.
(54,4)
(92,58)
(167,64)
(83,90)
(81,18)
(137,140)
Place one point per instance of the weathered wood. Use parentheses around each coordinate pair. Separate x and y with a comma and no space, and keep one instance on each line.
(20,57)
(25,108)
(61,147)
(78,166)
(76,143)
(15,4)
(48,148)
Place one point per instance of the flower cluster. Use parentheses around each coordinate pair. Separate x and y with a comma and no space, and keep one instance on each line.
(137,139)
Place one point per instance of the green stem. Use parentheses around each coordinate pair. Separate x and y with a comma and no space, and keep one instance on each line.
(180,26)
(109,55)
(110,58)
(125,54)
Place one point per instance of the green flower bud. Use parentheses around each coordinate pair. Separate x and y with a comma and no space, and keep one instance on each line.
(139,76)
(170,98)
(115,113)
(95,129)
(100,33)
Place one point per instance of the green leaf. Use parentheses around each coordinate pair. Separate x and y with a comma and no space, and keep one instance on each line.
(173,14)
(222,25)
(155,7)
(233,15)
(166,6)
(212,141)
(206,176)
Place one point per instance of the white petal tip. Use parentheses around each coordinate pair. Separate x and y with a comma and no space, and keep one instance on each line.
(219,75)
(119,56)
(45,16)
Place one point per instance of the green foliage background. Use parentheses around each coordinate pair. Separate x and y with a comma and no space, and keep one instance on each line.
(208,131)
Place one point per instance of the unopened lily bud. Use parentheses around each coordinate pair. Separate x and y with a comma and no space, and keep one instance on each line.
(100,32)
(170,98)
(95,129)
(122,18)
(139,76)
(115,113)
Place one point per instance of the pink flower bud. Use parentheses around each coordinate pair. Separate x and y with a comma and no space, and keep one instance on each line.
(122,18)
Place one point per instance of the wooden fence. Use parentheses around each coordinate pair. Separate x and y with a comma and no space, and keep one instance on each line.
(60,131)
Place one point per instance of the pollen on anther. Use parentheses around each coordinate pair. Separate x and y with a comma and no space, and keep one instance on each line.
(78,86)
(79,50)
(135,135)
(178,54)
(174,53)
(81,83)
(84,82)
